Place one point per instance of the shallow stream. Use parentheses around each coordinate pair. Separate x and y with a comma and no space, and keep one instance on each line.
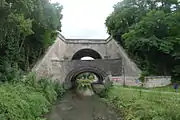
(77,107)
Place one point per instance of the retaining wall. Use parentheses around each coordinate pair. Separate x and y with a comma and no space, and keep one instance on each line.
(157,81)
(150,82)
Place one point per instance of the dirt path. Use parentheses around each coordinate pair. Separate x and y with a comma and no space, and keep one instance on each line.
(72,107)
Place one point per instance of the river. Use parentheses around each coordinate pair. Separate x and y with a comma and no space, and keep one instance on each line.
(77,107)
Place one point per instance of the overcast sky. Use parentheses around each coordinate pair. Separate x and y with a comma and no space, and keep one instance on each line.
(85,18)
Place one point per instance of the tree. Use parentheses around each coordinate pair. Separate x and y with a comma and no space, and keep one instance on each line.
(151,37)
(27,29)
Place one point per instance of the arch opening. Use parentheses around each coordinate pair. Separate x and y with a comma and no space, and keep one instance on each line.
(84,82)
(82,76)
(73,75)
(86,53)
(87,58)
(85,75)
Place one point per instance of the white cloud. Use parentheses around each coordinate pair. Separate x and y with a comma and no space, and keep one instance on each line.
(85,18)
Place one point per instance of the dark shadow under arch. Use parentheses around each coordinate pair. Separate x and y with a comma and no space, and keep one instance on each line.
(71,77)
(86,52)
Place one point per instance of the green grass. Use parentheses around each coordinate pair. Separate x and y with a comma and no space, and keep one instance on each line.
(136,105)
(165,89)
(168,88)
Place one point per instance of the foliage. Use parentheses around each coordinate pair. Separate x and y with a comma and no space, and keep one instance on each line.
(149,31)
(143,75)
(87,75)
(102,89)
(150,106)
(10,73)
(107,87)
(84,80)
(27,28)
(83,84)
(169,88)
(28,99)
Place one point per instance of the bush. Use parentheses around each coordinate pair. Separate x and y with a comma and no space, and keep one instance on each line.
(28,99)
(83,84)
(107,85)
(9,72)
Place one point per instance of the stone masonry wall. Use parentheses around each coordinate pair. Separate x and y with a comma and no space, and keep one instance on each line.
(150,82)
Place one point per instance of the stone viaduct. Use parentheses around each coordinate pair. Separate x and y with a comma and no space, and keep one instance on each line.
(62,60)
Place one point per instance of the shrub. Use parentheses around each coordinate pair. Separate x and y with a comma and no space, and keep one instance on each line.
(28,99)
(104,90)
(83,84)
(9,72)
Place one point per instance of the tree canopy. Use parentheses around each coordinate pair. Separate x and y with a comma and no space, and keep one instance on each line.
(149,30)
(27,28)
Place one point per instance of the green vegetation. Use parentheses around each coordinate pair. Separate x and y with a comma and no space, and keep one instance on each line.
(149,31)
(147,106)
(83,84)
(27,99)
(87,75)
(169,88)
(27,28)
(84,80)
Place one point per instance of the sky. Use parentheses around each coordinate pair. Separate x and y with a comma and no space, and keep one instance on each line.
(84,19)
(87,58)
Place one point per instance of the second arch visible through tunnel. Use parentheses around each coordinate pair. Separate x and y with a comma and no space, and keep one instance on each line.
(86,53)
(91,55)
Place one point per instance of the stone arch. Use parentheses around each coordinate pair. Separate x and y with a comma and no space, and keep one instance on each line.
(86,52)
(71,76)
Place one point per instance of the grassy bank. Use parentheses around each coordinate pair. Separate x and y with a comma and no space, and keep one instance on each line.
(165,89)
(168,88)
(136,105)
(27,99)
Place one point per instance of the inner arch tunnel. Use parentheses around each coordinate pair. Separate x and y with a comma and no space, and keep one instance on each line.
(71,77)
(86,52)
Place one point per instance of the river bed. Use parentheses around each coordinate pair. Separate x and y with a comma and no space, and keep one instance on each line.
(76,107)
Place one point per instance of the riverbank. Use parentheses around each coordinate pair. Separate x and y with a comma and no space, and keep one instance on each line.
(169,88)
(27,99)
(142,105)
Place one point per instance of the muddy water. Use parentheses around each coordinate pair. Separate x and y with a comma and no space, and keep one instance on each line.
(77,107)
